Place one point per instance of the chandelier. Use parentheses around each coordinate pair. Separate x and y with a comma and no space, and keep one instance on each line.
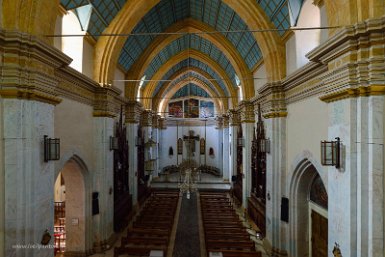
(187,183)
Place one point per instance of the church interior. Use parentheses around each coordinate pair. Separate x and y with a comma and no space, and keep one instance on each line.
(192,128)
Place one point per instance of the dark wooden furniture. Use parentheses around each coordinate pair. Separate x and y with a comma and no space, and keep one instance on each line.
(152,227)
(257,200)
(122,197)
(223,231)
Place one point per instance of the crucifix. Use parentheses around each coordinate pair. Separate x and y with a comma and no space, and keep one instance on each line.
(190,143)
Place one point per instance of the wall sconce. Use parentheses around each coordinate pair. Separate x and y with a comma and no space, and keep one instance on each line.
(241,142)
(114,143)
(46,237)
(51,149)
(330,153)
(265,145)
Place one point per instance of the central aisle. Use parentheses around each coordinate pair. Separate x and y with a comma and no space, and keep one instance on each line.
(187,234)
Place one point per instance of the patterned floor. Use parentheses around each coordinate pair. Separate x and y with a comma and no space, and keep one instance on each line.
(187,234)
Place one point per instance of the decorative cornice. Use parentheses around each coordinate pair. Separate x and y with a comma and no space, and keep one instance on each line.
(234,119)
(105,104)
(29,94)
(134,110)
(247,112)
(271,115)
(155,120)
(372,90)
(146,118)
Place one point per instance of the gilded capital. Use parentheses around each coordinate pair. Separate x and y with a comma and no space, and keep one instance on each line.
(247,112)
(219,122)
(146,118)
(133,112)
(234,119)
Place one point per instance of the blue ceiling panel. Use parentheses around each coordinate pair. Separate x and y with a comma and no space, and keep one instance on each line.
(190,62)
(212,12)
(197,43)
(278,12)
(190,90)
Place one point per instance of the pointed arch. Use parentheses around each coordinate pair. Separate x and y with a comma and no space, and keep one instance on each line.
(193,26)
(179,85)
(150,87)
(220,93)
(108,48)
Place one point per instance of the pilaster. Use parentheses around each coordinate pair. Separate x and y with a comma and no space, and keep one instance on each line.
(355,90)
(103,181)
(234,122)
(226,150)
(133,114)
(247,120)
(276,230)
(29,207)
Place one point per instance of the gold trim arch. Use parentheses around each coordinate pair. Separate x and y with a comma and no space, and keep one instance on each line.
(150,87)
(194,26)
(25,16)
(157,98)
(107,49)
(181,84)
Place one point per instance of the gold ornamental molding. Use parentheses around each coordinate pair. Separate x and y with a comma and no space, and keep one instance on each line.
(372,90)
(272,115)
(106,114)
(29,95)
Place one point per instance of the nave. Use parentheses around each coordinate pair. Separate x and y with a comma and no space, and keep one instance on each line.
(206,224)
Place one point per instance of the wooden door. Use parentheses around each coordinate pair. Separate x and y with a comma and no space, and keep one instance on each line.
(319,235)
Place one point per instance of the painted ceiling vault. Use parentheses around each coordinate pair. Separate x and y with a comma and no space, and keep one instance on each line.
(96,15)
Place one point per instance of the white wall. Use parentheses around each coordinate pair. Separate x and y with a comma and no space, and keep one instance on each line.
(307,125)
(303,41)
(261,78)
(74,126)
(169,138)
(73,46)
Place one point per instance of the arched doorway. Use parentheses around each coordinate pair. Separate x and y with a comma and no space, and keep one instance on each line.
(308,212)
(71,208)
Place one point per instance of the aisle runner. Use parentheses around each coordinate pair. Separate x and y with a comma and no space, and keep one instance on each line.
(187,234)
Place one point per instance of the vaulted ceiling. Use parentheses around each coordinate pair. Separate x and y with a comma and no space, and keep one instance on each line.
(216,16)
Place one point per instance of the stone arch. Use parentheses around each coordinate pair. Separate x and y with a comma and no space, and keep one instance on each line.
(108,48)
(78,184)
(168,95)
(217,39)
(218,90)
(300,180)
(150,87)
(25,16)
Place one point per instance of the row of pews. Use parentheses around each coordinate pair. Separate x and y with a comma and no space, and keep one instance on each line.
(152,228)
(223,230)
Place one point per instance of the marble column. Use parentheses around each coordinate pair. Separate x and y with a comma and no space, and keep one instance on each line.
(103,182)
(247,120)
(133,112)
(226,152)
(29,181)
(233,131)
(276,230)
